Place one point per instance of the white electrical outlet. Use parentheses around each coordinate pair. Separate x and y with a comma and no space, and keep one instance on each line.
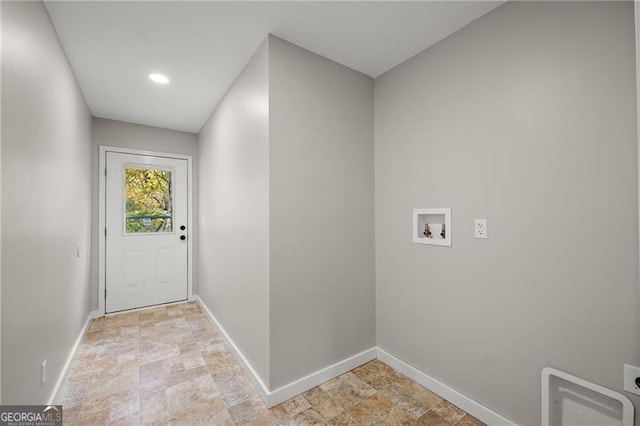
(481,230)
(632,379)
(43,372)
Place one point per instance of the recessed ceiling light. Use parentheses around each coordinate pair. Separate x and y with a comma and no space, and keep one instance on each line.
(159,78)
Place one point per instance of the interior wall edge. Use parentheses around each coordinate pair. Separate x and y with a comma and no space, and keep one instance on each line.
(255,378)
(274,397)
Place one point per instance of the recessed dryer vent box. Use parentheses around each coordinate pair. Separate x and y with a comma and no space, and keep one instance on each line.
(432,226)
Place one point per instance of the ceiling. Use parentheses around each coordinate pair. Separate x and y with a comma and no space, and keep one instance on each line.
(202,46)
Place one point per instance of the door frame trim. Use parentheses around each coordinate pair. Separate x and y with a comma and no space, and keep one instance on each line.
(102,267)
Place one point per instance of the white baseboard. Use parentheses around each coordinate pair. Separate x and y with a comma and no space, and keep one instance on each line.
(275,397)
(248,369)
(299,386)
(92,315)
(314,379)
(460,400)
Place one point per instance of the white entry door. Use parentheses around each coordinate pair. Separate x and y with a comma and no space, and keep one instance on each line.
(146,231)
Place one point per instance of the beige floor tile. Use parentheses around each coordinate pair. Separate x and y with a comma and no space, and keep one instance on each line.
(432,419)
(370,409)
(376,374)
(347,390)
(418,392)
(91,417)
(169,366)
(243,412)
(71,415)
(107,384)
(73,394)
(308,417)
(264,418)
(153,402)
(469,420)
(231,392)
(413,405)
(192,359)
(343,419)
(295,405)
(124,404)
(202,413)
(395,416)
(129,420)
(322,402)
(449,412)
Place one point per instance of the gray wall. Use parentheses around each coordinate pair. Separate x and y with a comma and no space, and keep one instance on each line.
(145,138)
(525,117)
(286,213)
(233,263)
(321,193)
(46,204)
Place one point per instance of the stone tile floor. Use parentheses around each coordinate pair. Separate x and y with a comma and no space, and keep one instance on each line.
(169,365)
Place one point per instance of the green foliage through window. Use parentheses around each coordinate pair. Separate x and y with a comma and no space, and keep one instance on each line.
(148,201)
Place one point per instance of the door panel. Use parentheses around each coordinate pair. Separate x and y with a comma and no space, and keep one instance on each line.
(163,266)
(132,272)
(146,204)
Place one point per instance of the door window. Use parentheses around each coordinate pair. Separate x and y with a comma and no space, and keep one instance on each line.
(148,200)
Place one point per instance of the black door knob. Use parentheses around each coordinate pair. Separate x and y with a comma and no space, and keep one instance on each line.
(182,227)
(182,237)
